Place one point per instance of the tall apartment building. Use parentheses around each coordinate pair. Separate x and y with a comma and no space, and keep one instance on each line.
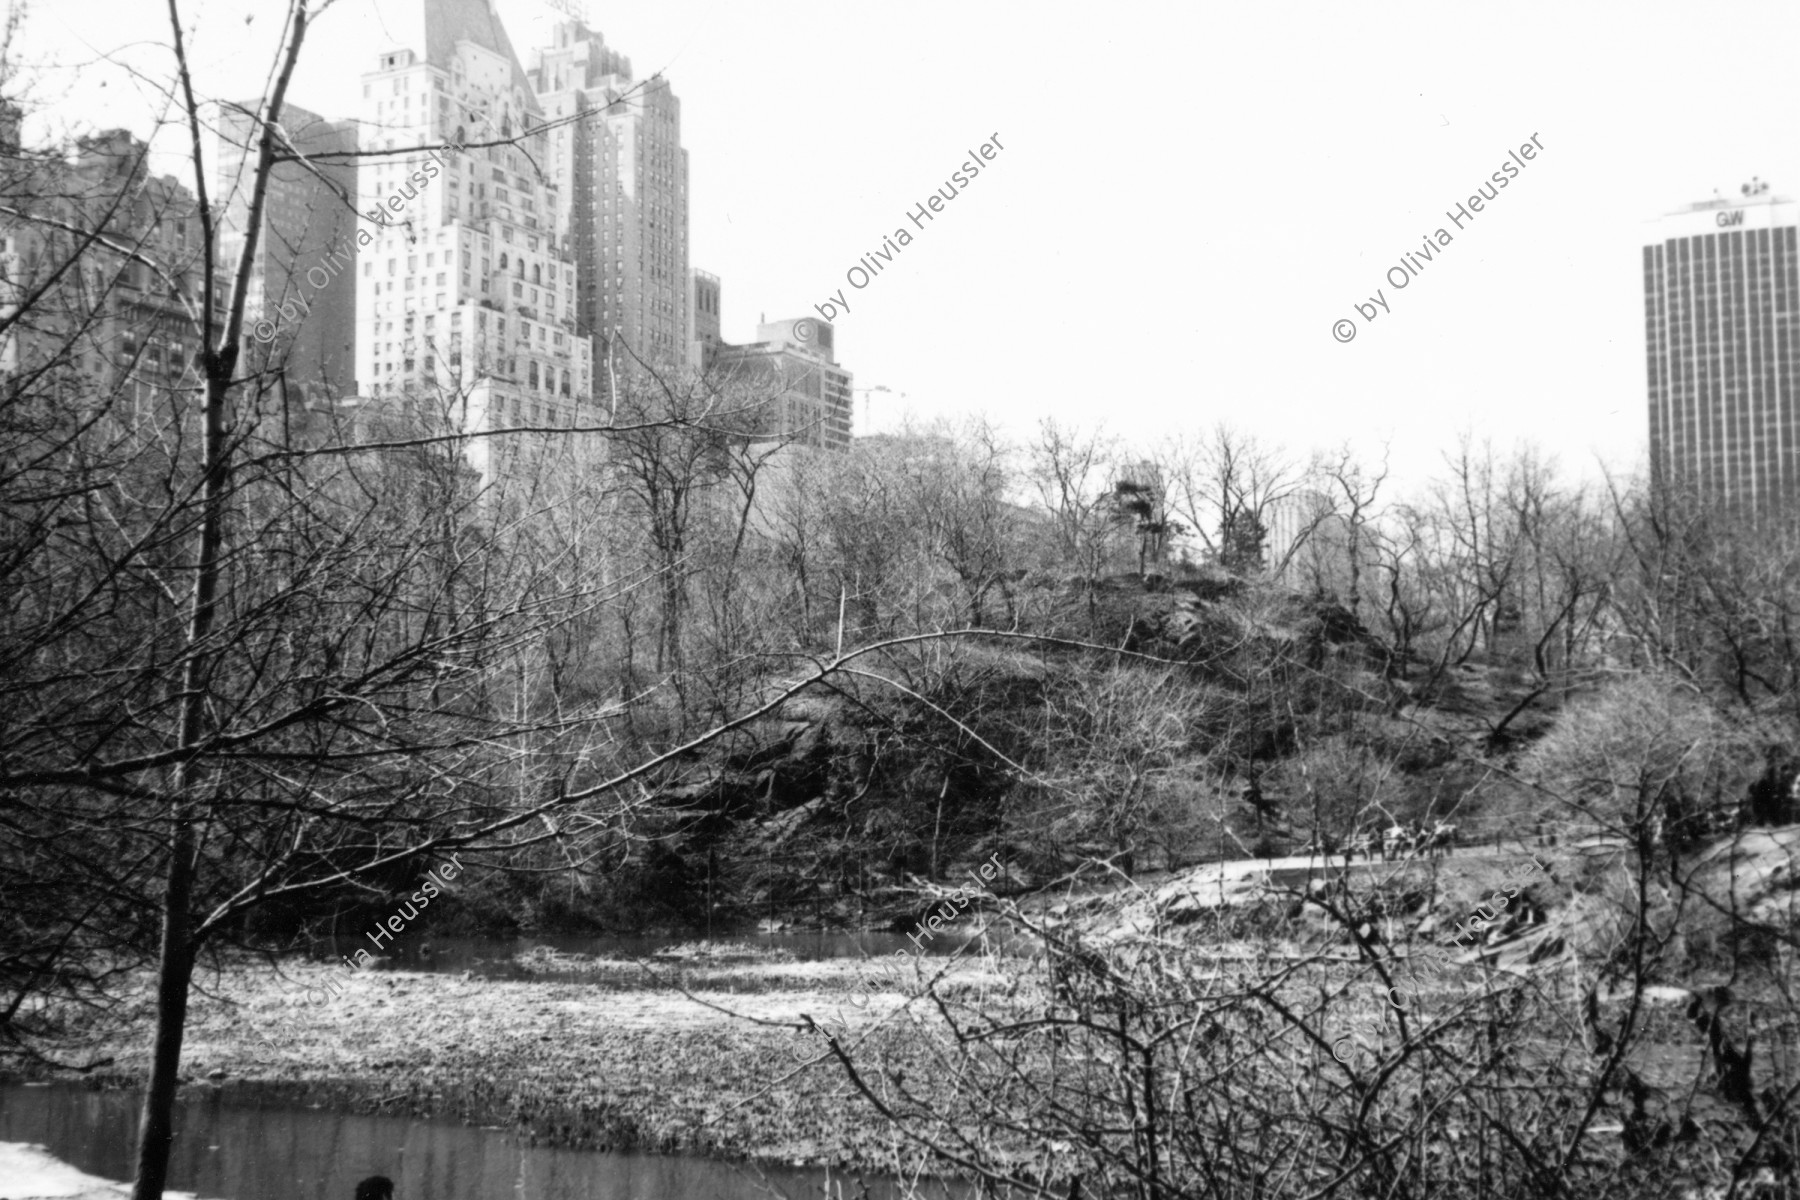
(467,291)
(793,368)
(124,322)
(626,176)
(1722,328)
(307,240)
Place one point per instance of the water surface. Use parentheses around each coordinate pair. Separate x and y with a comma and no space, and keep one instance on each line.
(239,1150)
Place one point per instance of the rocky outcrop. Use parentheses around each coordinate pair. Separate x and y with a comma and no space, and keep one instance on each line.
(775,765)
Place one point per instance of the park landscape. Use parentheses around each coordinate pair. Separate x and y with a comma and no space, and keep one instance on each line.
(1247,730)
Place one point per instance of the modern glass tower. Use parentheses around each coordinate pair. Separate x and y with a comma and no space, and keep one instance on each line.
(1722,328)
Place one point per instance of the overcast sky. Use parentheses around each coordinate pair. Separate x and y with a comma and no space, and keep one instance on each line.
(1188,197)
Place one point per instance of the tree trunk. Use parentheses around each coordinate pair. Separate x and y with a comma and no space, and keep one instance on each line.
(176,958)
(156,1135)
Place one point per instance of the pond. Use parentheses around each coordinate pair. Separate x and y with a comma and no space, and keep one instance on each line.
(238,1150)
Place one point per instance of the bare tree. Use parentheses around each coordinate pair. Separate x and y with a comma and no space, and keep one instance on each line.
(1709,594)
(1355,490)
(1224,487)
(958,486)
(1116,757)
(1409,607)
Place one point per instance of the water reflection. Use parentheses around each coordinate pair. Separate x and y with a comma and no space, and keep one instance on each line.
(241,1151)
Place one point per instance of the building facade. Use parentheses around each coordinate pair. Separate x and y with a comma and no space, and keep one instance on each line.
(792,370)
(299,316)
(125,321)
(466,288)
(1722,332)
(618,158)
(704,297)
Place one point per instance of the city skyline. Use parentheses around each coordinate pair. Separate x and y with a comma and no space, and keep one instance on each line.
(1237,258)
(577,231)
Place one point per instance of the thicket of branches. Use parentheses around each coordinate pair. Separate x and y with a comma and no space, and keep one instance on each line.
(1620,1025)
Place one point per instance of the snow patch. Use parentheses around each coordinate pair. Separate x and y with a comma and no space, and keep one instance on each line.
(29,1172)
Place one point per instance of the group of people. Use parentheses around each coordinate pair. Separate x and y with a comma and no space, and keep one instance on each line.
(1399,841)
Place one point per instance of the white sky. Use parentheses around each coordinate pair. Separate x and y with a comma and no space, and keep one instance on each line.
(1189,195)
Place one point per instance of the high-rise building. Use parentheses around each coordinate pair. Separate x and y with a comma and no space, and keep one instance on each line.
(466,292)
(1722,324)
(300,307)
(618,158)
(792,369)
(126,321)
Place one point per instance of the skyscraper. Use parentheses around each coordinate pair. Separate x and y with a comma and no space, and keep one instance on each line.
(466,283)
(1721,306)
(626,177)
(308,230)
